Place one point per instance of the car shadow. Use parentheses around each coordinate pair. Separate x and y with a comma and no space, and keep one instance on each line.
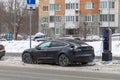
(75,65)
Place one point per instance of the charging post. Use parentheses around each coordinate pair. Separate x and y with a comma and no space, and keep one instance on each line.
(107,54)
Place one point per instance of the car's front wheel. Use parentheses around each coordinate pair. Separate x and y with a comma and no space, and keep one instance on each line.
(26,58)
(63,60)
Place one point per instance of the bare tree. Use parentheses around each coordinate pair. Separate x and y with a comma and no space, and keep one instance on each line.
(5,18)
(15,17)
(19,13)
(15,11)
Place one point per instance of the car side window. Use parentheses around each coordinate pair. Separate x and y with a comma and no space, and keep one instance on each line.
(57,44)
(45,45)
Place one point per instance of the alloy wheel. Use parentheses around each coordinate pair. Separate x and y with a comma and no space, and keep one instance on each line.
(26,58)
(63,60)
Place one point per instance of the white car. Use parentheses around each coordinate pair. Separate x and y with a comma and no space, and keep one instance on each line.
(116,36)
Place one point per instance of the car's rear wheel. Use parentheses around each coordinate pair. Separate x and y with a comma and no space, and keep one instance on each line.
(63,60)
(26,58)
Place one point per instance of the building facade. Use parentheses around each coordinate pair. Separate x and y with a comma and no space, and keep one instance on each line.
(78,17)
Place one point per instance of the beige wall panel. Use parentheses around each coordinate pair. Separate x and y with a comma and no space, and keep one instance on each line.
(41,4)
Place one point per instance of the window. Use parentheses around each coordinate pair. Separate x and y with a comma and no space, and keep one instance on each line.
(68,6)
(57,30)
(52,7)
(76,11)
(45,19)
(44,45)
(112,17)
(72,6)
(57,44)
(76,18)
(76,5)
(71,18)
(45,8)
(51,18)
(105,17)
(89,18)
(57,7)
(111,4)
(89,5)
(104,4)
(58,19)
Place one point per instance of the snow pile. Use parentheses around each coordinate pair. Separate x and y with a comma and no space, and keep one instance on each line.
(93,37)
(18,46)
(98,48)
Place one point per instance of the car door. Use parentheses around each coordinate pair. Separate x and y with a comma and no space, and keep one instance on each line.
(53,51)
(42,49)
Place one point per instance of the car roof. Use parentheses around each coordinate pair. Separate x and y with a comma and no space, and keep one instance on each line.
(69,41)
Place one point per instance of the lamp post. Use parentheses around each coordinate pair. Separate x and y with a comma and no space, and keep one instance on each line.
(99,22)
(55,19)
(85,29)
(31,5)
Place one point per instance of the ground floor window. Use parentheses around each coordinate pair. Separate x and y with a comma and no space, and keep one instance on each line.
(57,31)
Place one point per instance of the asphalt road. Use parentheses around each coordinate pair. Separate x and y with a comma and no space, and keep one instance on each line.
(25,73)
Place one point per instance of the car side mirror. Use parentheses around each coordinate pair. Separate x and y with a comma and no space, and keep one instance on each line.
(38,48)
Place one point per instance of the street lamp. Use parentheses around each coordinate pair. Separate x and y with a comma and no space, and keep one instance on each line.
(85,30)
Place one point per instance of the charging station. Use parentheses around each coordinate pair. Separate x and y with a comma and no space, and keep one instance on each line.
(107,54)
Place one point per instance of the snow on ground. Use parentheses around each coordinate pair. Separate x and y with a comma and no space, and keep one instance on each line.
(98,48)
(20,46)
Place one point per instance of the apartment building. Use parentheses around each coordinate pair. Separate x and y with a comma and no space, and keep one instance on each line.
(78,17)
(109,14)
(72,12)
(51,17)
(57,11)
(89,17)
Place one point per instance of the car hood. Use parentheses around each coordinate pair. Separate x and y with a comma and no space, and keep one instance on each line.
(30,50)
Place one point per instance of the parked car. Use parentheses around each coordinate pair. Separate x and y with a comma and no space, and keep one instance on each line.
(2,51)
(116,37)
(60,51)
(40,38)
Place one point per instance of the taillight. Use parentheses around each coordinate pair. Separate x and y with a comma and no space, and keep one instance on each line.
(75,48)
(2,47)
(92,48)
